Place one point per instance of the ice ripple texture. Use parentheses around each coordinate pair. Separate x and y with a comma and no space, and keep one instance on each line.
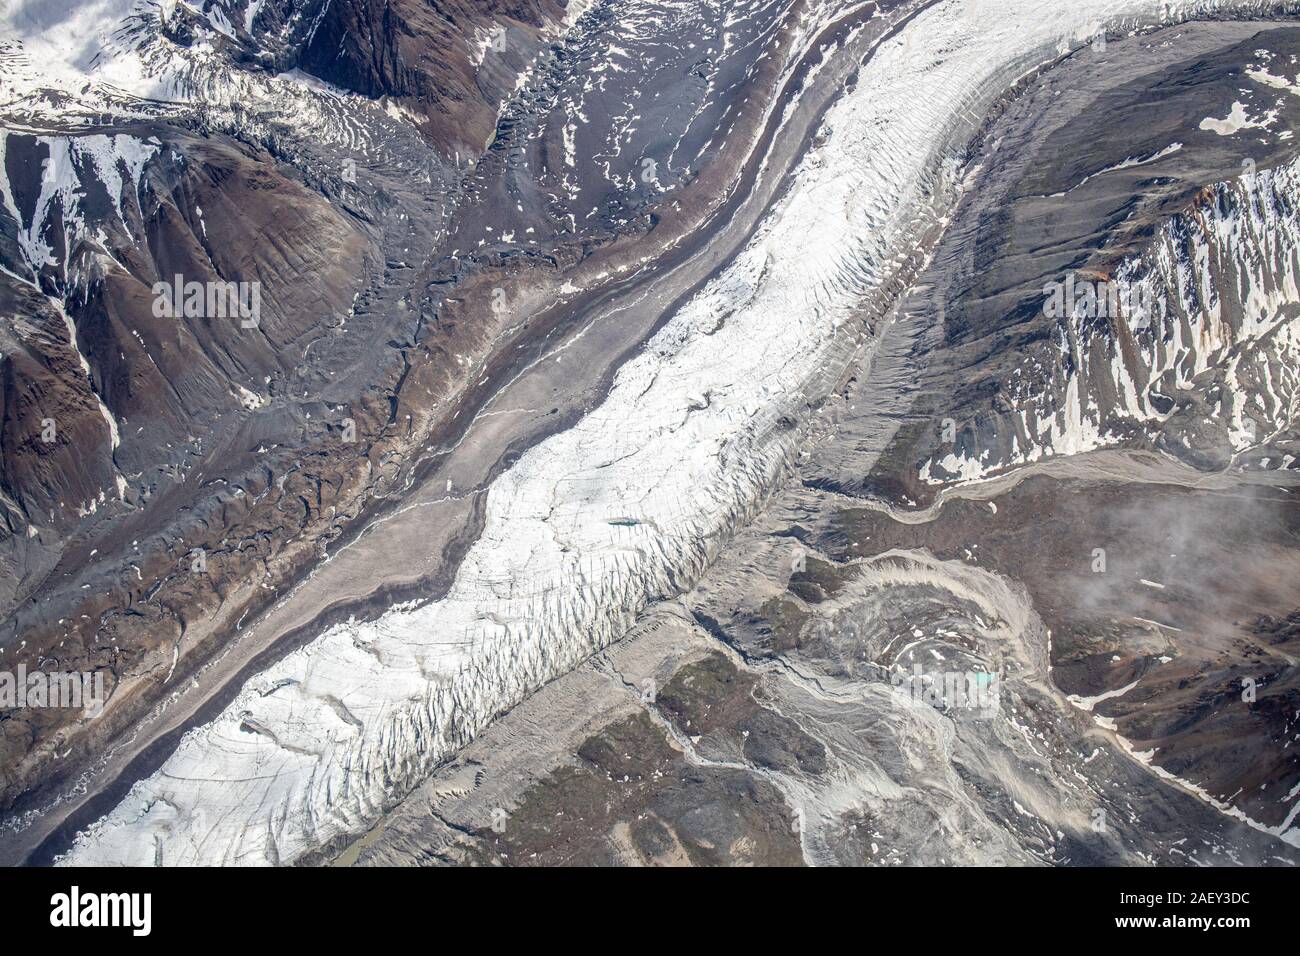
(626,507)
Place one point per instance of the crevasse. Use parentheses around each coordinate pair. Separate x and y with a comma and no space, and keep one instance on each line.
(626,507)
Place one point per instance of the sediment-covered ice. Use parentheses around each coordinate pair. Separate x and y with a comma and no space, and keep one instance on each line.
(628,505)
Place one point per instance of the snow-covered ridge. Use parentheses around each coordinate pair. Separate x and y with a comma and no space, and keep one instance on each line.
(130,48)
(115,164)
(73,164)
(67,63)
(47,81)
(627,506)
(1117,374)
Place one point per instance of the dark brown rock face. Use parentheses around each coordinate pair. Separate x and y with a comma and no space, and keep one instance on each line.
(111,401)
(428,56)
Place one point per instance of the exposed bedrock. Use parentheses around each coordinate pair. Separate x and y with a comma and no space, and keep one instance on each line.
(1140,612)
(764,713)
(451,62)
(1104,289)
(1164,567)
(633,502)
(255,498)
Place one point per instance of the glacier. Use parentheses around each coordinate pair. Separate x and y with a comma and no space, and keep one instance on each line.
(630,504)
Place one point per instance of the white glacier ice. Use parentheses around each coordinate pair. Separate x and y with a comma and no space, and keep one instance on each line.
(625,507)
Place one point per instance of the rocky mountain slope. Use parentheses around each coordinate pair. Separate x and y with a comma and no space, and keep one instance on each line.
(1135,602)
(164,470)
(394,300)
(799,346)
